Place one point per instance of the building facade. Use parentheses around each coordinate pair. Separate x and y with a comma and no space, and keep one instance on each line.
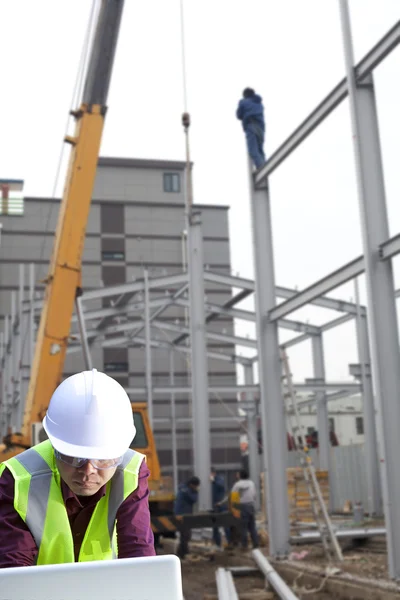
(137,221)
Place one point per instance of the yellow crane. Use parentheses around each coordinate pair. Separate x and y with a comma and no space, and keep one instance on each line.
(63,282)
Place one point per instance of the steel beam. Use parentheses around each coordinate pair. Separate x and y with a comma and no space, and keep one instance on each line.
(219,337)
(199,367)
(293,342)
(360,371)
(324,109)
(332,397)
(18,400)
(246,315)
(306,537)
(337,322)
(370,437)
(139,340)
(31,336)
(168,281)
(251,421)
(282,292)
(174,447)
(321,287)
(83,335)
(390,248)
(211,317)
(324,444)
(173,298)
(3,403)
(380,287)
(323,302)
(147,333)
(234,389)
(271,399)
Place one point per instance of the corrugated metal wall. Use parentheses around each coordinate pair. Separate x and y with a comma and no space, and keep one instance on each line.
(348,480)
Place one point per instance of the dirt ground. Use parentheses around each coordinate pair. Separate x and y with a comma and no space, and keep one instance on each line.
(199,575)
(366,560)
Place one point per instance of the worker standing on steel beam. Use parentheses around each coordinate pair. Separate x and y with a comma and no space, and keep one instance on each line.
(251,112)
(81,495)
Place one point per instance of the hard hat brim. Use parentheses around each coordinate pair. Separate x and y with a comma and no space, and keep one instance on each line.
(81,451)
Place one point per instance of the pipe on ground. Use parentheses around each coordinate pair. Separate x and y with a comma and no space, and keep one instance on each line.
(225,585)
(275,580)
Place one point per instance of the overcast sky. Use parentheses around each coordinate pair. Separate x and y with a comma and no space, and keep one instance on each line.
(290,51)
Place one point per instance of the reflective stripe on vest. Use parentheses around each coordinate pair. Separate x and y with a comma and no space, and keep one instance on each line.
(38,499)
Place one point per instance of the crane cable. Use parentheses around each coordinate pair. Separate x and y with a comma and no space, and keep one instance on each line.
(188,172)
(186,118)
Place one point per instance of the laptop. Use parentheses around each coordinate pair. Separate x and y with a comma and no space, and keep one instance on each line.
(145,578)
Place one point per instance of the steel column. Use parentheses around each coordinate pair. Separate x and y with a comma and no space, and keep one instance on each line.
(251,418)
(7,369)
(201,409)
(3,402)
(380,289)
(147,333)
(31,313)
(83,334)
(18,351)
(322,407)
(271,400)
(13,362)
(173,421)
(370,437)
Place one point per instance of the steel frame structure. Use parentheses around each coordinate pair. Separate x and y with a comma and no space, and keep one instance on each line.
(378,249)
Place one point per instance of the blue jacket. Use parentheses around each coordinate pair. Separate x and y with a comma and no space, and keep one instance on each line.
(185,499)
(251,109)
(217,489)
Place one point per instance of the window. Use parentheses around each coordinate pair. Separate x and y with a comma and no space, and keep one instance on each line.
(360,425)
(116,367)
(109,255)
(11,206)
(140,440)
(172,182)
(112,218)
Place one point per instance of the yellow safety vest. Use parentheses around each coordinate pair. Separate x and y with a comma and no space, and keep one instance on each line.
(38,500)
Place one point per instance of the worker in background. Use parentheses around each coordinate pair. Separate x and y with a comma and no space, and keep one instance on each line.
(81,495)
(185,500)
(247,494)
(251,112)
(219,504)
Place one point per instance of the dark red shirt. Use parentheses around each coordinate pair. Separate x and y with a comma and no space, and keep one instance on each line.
(134,534)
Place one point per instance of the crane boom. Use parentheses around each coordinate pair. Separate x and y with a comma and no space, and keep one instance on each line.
(64,278)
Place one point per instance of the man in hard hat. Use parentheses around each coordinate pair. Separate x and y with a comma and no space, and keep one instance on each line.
(81,495)
(251,112)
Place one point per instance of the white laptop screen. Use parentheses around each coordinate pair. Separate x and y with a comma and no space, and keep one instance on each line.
(147,578)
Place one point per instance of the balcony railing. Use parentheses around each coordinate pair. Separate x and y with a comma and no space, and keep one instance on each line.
(11,206)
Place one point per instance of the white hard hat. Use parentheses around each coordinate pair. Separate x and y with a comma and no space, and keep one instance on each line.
(90,416)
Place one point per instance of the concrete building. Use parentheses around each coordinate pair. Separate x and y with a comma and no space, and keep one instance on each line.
(136,221)
(345,419)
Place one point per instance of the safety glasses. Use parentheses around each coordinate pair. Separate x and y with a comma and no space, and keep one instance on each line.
(97,463)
